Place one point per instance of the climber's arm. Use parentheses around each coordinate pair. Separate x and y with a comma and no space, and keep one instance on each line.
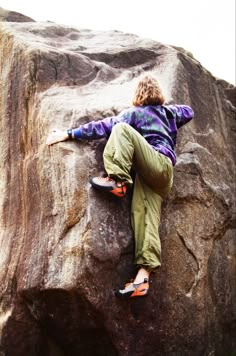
(183,114)
(95,129)
(90,131)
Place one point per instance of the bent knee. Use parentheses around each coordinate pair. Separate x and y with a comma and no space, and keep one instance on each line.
(121,126)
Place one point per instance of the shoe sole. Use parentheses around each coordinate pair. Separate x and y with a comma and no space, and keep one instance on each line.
(119,191)
(129,295)
(99,187)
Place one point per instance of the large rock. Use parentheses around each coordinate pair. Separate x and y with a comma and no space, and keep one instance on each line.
(65,247)
(12,16)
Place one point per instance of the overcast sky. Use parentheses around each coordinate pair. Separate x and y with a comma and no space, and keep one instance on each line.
(204,27)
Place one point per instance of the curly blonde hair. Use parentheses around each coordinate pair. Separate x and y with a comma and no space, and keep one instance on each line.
(148,92)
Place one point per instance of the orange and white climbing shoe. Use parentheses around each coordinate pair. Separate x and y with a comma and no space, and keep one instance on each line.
(109,185)
(132,290)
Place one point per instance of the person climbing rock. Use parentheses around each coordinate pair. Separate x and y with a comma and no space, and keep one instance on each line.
(142,138)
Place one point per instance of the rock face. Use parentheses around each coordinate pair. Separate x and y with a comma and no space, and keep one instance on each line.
(64,247)
(12,16)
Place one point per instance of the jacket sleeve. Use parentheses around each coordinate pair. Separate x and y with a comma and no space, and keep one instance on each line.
(100,129)
(95,129)
(182,113)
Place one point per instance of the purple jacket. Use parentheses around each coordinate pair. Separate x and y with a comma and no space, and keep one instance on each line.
(158,124)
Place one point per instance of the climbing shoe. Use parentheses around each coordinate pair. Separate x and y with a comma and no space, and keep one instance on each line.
(109,185)
(132,290)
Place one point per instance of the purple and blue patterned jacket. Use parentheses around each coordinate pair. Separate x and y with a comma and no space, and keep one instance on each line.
(158,124)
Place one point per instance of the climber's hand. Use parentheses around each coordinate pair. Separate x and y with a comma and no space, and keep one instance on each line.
(57,136)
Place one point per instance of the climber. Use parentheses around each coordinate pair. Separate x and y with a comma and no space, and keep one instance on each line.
(142,138)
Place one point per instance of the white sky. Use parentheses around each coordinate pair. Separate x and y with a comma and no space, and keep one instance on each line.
(204,27)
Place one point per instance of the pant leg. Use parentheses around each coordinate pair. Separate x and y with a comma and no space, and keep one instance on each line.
(118,154)
(154,175)
(145,219)
(126,148)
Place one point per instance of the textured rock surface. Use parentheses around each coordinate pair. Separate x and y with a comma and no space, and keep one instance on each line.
(65,247)
(12,16)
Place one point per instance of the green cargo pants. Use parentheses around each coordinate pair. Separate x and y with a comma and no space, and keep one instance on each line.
(126,149)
